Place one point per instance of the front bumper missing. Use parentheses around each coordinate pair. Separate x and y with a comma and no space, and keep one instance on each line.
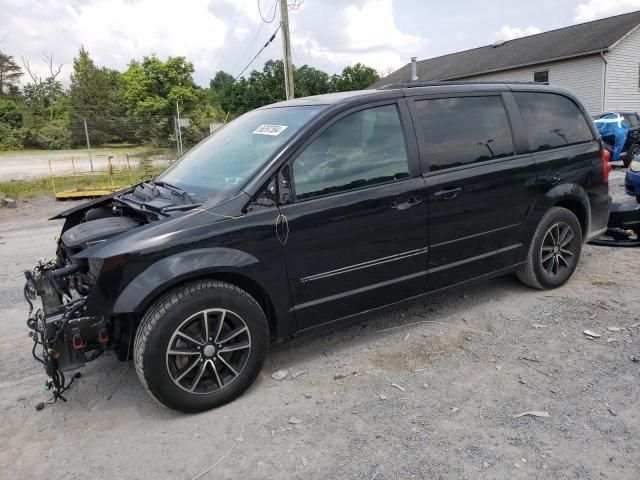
(63,337)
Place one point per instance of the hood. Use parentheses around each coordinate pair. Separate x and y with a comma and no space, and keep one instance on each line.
(177,229)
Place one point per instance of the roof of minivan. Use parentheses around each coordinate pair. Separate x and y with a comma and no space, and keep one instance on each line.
(394,91)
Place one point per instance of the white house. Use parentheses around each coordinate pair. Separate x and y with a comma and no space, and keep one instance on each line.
(599,61)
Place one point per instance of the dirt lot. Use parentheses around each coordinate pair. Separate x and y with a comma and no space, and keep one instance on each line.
(480,356)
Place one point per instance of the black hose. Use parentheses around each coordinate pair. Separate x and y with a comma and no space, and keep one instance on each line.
(64,271)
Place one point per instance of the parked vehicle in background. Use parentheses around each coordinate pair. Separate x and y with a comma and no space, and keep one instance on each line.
(632,179)
(631,146)
(311,213)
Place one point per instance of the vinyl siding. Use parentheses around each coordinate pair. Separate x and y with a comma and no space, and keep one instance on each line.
(583,76)
(622,92)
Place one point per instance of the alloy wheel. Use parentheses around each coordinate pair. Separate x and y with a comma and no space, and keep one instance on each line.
(558,249)
(208,351)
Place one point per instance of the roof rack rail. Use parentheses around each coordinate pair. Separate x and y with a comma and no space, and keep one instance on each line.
(393,86)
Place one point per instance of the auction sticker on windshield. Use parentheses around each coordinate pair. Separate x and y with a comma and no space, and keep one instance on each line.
(268,129)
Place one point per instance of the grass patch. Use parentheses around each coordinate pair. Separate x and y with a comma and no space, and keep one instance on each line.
(42,186)
(115,149)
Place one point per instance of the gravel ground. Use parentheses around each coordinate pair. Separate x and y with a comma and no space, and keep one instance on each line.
(464,364)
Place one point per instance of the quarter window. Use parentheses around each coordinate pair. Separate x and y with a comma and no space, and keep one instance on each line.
(364,148)
(464,130)
(552,121)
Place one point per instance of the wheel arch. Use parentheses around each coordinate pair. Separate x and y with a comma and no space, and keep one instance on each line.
(167,274)
(578,209)
(572,197)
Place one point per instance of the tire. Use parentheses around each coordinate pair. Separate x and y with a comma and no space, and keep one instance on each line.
(544,272)
(201,346)
(633,151)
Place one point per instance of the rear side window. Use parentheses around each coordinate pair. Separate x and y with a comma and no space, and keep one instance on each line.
(464,130)
(552,121)
(364,148)
(632,119)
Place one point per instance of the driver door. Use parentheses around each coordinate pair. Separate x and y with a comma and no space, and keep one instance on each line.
(357,221)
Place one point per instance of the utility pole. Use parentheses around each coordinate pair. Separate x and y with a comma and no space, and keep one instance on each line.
(286,46)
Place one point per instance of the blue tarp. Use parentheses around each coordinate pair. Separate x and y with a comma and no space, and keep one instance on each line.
(613,125)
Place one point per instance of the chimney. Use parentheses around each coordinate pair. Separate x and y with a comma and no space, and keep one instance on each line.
(414,69)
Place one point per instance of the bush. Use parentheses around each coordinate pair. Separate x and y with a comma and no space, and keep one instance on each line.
(11,138)
(55,135)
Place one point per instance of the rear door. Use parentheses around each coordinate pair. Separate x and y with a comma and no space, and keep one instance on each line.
(562,145)
(356,226)
(480,189)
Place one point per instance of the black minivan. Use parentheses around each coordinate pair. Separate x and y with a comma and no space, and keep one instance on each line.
(312,212)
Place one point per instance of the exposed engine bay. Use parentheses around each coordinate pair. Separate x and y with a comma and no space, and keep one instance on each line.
(65,334)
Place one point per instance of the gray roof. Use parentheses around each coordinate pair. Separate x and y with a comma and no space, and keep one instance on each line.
(574,41)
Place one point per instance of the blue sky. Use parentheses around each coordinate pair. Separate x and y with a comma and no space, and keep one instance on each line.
(328,34)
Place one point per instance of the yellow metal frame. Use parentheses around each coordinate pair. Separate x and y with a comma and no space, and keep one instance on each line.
(91,190)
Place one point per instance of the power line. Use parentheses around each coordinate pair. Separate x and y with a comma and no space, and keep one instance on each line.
(262,16)
(235,90)
(259,52)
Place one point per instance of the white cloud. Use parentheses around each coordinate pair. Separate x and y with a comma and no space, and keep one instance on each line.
(507,32)
(372,26)
(115,31)
(366,33)
(594,9)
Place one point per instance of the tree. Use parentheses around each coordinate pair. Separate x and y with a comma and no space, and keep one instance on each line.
(151,90)
(357,77)
(10,73)
(95,94)
(46,121)
(311,81)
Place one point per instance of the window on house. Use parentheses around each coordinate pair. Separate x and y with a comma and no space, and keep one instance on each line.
(541,77)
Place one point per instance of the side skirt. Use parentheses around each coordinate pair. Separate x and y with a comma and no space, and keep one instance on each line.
(357,317)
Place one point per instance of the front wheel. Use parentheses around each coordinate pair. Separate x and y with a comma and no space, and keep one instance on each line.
(201,346)
(554,250)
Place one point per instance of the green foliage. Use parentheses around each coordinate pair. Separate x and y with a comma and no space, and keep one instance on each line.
(267,86)
(10,113)
(152,89)
(139,106)
(10,73)
(11,138)
(53,134)
(95,96)
(357,77)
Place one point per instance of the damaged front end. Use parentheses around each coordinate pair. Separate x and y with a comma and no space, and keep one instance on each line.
(64,336)
(72,327)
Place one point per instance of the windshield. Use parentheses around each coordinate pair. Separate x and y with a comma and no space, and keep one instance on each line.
(219,165)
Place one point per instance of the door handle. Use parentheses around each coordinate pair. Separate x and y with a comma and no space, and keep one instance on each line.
(408,204)
(282,229)
(448,193)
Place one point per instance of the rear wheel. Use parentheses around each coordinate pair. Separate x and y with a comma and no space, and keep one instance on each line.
(554,250)
(201,346)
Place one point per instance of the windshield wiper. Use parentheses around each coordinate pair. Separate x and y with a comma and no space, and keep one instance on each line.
(162,183)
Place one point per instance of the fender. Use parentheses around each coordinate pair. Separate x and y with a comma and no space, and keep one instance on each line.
(567,193)
(170,271)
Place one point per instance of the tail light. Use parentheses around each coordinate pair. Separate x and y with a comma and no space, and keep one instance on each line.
(606,165)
